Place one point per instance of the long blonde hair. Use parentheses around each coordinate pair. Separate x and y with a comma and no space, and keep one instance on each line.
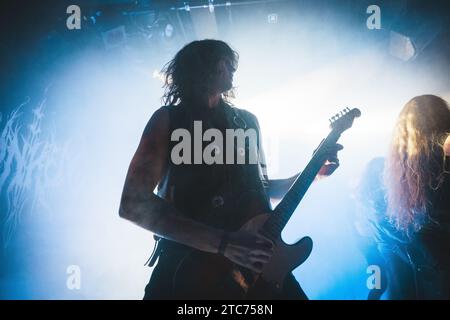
(416,161)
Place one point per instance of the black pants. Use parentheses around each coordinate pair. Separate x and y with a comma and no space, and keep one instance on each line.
(160,286)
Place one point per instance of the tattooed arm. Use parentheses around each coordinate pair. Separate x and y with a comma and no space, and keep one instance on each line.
(141,206)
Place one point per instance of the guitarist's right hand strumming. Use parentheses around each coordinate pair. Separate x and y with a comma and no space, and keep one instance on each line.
(247,249)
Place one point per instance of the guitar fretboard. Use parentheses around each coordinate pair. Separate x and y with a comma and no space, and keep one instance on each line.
(284,210)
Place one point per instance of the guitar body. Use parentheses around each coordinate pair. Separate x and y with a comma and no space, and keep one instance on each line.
(210,276)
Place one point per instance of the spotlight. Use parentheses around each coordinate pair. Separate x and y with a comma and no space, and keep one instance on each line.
(408,40)
(115,37)
(168,30)
(272,18)
(211,6)
(401,46)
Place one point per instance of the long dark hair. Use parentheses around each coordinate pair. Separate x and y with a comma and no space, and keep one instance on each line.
(416,161)
(192,68)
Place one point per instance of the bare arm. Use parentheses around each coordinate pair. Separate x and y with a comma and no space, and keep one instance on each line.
(140,205)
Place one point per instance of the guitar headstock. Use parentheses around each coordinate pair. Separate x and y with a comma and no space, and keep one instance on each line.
(344,120)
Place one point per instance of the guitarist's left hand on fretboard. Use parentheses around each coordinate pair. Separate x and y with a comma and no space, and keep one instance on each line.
(331,161)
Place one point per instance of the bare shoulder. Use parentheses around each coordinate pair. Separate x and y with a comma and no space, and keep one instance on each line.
(153,144)
(149,161)
(158,123)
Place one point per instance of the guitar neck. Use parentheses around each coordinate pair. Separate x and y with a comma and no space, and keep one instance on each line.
(284,210)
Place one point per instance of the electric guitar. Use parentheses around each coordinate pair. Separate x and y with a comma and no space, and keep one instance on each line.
(203,275)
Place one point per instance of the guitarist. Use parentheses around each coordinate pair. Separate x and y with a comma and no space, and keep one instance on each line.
(198,83)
